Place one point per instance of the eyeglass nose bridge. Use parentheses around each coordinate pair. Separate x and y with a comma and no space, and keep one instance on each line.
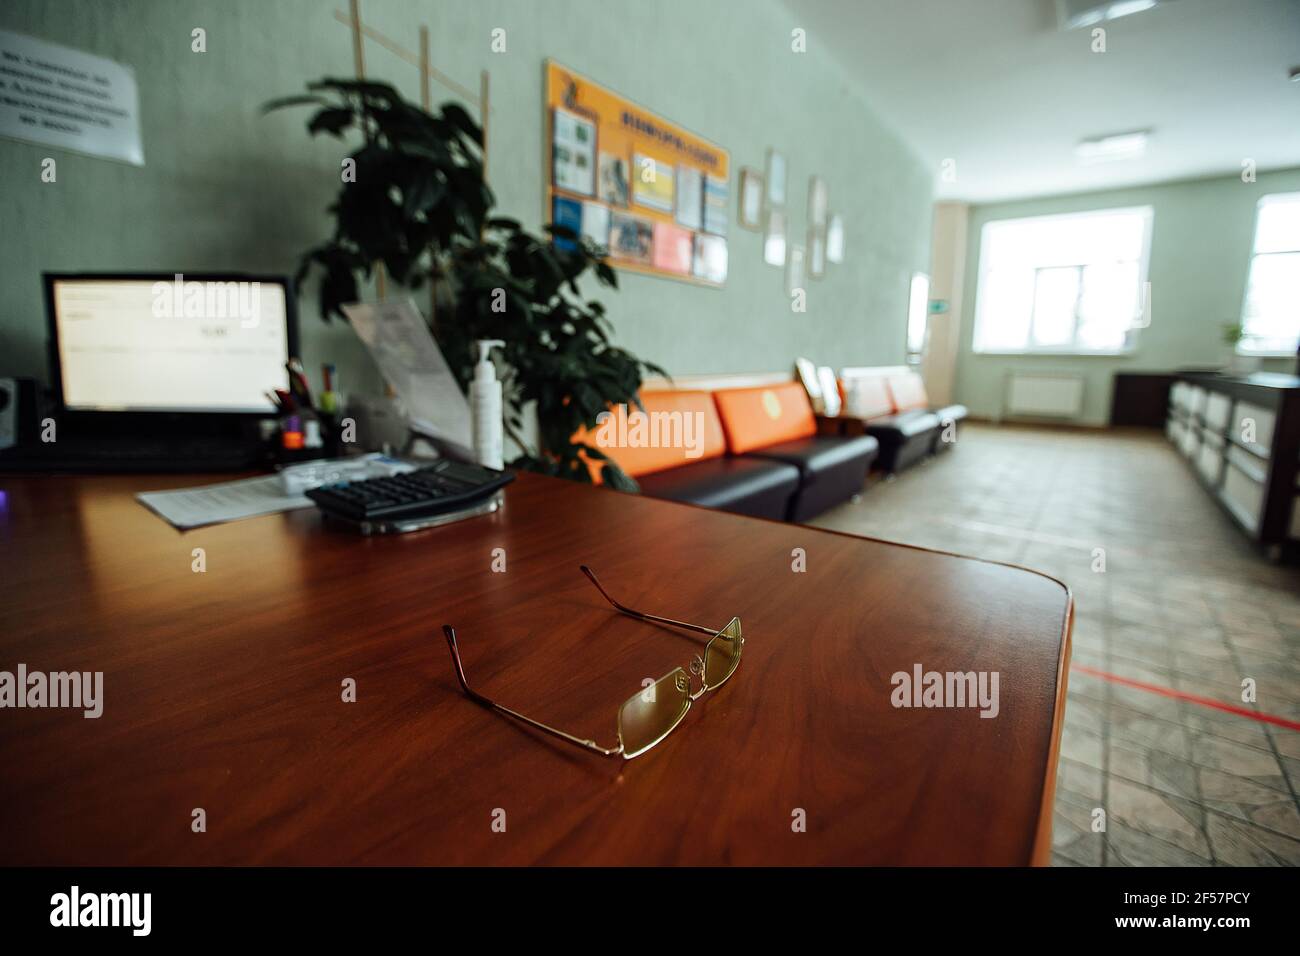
(697,670)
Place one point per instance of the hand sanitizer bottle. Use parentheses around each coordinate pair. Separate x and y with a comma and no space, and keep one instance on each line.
(485,408)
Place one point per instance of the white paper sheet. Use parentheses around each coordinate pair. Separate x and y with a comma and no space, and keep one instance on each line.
(227,501)
(690,197)
(573,147)
(403,347)
(58,96)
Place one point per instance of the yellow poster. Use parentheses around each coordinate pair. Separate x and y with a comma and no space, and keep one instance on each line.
(633,173)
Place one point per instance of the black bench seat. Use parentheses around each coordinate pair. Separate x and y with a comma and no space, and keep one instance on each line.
(832,469)
(749,486)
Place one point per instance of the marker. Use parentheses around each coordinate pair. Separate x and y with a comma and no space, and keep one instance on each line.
(329,399)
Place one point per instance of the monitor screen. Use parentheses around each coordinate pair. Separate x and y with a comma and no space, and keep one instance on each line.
(170,343)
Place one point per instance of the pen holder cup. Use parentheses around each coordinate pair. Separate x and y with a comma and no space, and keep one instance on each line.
(287,445)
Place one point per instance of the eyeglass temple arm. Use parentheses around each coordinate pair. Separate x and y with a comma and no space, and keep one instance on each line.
(479,699)
(711,631)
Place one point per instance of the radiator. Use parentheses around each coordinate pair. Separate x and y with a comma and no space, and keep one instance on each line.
(1044,395)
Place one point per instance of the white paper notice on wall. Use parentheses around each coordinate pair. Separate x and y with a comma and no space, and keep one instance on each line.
(57,96)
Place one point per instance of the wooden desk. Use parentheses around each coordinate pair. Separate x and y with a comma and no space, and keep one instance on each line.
(222,689)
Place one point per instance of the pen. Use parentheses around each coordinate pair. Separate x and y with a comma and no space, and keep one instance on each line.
(298,382)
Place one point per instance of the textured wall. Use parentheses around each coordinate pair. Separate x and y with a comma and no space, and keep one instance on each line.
(226,188)
(1201,236)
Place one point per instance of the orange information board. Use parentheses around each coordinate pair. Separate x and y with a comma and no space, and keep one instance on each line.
(652,193)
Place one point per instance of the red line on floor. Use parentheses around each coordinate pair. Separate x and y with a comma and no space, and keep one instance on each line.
(1192,698)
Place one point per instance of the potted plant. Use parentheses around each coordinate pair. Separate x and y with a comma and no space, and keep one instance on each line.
(1233,333)
(414,200)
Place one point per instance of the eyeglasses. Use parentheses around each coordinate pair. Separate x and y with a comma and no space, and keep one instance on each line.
(651,714)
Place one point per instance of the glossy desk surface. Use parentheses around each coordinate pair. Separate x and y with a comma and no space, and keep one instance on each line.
(223,689)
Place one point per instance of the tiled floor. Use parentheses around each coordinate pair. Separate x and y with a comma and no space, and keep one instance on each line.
(1183,603)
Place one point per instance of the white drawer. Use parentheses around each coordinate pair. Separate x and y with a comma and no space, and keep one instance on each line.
(1252,466)
(1209,462)
(1191,440)
(1218,409)
(1247,418)
(1174,430)
(1196,398)
(1243,495)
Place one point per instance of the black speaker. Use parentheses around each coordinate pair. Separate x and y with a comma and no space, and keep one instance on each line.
(19,413)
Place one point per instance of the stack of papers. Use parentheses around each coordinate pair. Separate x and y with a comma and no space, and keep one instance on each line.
(227,501)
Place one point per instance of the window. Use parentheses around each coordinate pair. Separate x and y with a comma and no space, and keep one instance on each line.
(1070,283)
(1271,314)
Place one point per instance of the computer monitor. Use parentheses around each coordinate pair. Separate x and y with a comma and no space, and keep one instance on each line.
(169,342)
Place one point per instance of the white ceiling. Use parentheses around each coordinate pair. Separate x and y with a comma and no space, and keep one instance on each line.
(996,86)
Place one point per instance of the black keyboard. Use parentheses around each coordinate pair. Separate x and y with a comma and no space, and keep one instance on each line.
(443,486)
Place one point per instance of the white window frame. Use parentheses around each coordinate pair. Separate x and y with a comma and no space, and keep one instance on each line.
(1144,261)
(1242,347)
(1078,298)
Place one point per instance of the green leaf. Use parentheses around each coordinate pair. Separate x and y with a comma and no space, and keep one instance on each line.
(606,275)
(380,93)
(560,231)
(616,478)
(301,99)
(421,193)
(333,120)
(455,114)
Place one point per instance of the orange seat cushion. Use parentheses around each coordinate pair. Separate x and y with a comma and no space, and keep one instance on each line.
(758,417)
(867,396)
(678,427)
(908,391)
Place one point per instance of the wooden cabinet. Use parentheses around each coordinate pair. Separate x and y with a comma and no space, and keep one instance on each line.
(1140,398)
(1241,436)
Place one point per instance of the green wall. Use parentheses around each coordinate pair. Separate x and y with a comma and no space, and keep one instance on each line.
(226,188)
(1201,237)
